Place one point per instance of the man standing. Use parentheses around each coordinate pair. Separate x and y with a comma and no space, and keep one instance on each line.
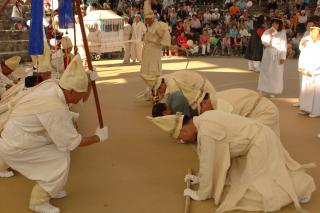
(274,55)
(127,30)
(138,31)
(39,134)
(157,35)
(310,70)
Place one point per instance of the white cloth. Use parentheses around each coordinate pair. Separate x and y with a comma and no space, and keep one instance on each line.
(205,48)
(254,65)
(16,12)
(138,31)
(249,103)
(38,137)
(245,161)
(310,88)
(157,35)
(271,75)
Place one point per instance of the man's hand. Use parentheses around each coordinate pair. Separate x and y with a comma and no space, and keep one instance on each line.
(192,194)
(304,42)
(271,31)
(75,116)
(102,133)
(193,179)
(282,61)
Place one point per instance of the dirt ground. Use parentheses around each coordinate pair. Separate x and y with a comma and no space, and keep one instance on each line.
(140,169)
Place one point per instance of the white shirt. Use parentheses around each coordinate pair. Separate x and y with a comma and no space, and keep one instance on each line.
(53,127)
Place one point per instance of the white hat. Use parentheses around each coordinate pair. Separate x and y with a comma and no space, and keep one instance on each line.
(12,62)
(148,12)
(75,77)
(170,123)
(66,43)
(43,62)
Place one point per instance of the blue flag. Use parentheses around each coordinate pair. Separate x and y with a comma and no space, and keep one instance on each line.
(36,28)
(65,14)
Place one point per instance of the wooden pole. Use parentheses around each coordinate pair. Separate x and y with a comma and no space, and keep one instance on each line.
(3,6)
(187,203)
(74,29)
(89,62)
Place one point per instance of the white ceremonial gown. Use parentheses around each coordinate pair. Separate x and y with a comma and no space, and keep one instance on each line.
(38,137)
(310,88)
(250,104)
(244,166)
(271,74)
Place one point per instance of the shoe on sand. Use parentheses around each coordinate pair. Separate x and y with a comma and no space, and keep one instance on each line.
(305,199)
(60,195)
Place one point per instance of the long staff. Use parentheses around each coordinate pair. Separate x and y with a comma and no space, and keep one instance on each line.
(89,62)
(187,203)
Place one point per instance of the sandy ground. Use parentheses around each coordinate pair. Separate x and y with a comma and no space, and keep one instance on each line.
(140,169)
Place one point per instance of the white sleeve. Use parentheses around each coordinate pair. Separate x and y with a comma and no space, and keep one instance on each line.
(266,38)
(206,160)
(60,128)
(283,47)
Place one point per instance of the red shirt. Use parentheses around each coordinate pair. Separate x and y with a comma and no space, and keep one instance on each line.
(182,41)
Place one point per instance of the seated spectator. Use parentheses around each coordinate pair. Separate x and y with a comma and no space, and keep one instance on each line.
(237,45)
(216,16)
(242,4)
(204,42)
(174,48)
(227,19)
(226,43)
(179,28)
(290,51)
(17,15)
(207,17)
(233,32)
(234,10)
(193,47)
(182,40)
(195,24)
(302,20)
(218,31)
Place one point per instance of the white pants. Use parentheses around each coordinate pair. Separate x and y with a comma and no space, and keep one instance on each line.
(136,51)
(254,65)
(127,52)
(204,48)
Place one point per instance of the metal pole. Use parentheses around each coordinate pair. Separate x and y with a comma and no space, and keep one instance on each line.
(86,48)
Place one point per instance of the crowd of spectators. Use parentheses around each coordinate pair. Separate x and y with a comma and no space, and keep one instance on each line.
(222,28)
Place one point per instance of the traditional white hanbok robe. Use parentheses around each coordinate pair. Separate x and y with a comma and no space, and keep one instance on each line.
(157,35)
(38,136)
(310,89)
(303,57)
(244,166)
(271,75)
(250,104)
(127,29)
(138,31)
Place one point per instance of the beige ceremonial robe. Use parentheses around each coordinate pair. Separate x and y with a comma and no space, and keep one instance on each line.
(248,103)
(38,136)
(244,166)
(191,84)
(157,35)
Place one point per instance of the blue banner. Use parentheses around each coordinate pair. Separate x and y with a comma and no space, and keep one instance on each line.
(65,14)
(36,28)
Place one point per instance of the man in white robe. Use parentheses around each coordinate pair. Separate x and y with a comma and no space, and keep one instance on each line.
(310,69)
(38,135)
(243,165)
(127,32)
(138,31)
(7,67)
(157,35)
(274,55)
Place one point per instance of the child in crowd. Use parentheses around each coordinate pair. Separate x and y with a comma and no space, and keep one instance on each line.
(226,44)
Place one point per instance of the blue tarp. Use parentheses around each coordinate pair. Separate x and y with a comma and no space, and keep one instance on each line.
(65,14)
(36,28)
